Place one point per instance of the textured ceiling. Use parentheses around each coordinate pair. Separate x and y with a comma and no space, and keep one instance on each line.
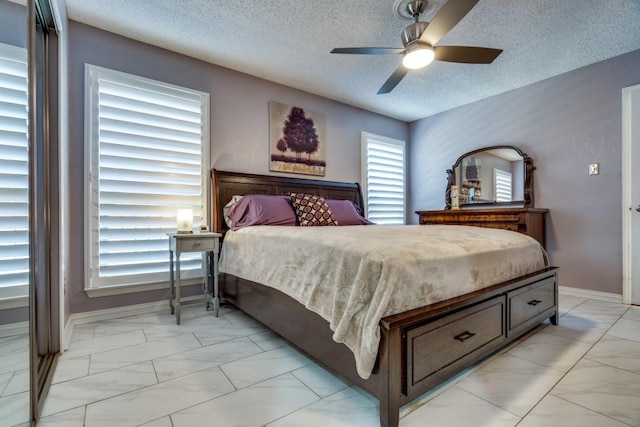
(288,42)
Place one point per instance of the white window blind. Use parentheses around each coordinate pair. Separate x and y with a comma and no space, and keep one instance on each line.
(14,173)
(148,157)
(502,180)
(383,179)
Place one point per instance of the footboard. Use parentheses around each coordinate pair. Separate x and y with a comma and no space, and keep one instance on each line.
(464,330)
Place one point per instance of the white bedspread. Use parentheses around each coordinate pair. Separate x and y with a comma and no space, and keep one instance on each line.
(353,276)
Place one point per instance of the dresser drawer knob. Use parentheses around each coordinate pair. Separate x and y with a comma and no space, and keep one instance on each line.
(534,302)
(464,336)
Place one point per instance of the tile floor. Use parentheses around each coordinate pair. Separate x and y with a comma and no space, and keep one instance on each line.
(14,379)
(230,371)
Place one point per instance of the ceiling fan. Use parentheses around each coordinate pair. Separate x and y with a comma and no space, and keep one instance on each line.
(420,40)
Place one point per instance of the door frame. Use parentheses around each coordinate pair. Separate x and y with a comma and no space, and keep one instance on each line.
(627,209)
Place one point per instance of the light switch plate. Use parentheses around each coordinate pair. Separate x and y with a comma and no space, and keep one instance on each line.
(594,169)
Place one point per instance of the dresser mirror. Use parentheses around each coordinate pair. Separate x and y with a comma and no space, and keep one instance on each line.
(498,176)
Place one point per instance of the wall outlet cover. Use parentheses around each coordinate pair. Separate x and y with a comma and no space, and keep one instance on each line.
(594,169)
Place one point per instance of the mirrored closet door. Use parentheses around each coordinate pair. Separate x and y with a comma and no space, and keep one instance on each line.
(14,215)
(28,338)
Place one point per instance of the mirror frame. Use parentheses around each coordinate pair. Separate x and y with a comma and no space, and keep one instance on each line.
(528,180)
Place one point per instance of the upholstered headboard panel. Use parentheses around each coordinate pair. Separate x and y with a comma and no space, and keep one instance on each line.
(225,185)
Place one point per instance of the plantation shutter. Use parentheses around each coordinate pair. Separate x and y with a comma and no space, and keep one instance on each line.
(148,159)
(384,179)
(14,173)
(502,180)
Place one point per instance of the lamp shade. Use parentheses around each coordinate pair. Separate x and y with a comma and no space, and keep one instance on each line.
(418,55)
(184,219)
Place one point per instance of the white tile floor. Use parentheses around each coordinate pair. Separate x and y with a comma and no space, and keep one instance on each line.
(14,379)
(230,371)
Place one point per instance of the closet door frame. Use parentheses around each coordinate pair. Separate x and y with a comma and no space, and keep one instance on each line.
(43,212)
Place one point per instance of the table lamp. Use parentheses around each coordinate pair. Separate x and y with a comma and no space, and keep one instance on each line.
(184,219)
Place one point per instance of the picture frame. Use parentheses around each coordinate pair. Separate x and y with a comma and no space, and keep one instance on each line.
(296,140)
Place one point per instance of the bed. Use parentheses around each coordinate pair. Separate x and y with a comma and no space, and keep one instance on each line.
(417,348)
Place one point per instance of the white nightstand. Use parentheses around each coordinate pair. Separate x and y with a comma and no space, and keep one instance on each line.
(206,242)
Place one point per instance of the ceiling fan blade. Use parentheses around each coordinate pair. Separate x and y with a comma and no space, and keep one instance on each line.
(368,50)
(393,81)
(466,54)
(449,15)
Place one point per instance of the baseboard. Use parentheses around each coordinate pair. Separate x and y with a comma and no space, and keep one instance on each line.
(66,335)
(586,293)
(11,329)
(114,313)
(128,310)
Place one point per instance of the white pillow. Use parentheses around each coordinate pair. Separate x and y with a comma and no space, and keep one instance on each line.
(228,208)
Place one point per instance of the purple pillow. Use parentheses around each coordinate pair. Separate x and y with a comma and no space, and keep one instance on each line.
(262,209)
(346,212)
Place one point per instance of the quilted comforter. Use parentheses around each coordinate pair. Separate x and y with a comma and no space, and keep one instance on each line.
(355,275)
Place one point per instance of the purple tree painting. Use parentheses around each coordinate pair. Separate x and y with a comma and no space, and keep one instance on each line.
(282,146)
(295,132)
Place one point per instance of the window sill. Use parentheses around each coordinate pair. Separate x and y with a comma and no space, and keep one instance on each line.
(14,302)
(106,291)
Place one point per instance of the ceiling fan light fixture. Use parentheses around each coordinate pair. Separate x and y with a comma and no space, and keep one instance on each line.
(418,57)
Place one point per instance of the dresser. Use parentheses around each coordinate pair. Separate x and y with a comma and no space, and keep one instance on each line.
(529,221)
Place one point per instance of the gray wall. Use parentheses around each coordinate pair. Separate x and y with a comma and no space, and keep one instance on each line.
(564,123)
(13,24)
(239,128)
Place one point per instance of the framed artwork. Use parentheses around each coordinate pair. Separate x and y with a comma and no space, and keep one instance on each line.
(296,140)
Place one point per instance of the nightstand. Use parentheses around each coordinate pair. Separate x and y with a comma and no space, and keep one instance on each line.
(205,242)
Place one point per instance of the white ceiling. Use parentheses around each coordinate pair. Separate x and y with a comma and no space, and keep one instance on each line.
(288,42)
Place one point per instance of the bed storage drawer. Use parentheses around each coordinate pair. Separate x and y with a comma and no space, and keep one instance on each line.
(438,349)
(530,305)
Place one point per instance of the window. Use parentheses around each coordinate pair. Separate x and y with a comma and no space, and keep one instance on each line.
(14,173)
(502,180)
(148,157)
(383,179)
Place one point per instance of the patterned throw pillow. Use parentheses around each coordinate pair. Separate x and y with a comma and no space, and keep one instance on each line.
(312,210)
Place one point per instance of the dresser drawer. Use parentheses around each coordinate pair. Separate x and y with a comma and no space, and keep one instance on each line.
(512,226)
(529,221)
(528,305)
(449,342)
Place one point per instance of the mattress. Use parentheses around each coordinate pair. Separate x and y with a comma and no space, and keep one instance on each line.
(354,276)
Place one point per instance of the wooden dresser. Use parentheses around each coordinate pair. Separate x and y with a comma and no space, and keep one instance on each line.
(529,221)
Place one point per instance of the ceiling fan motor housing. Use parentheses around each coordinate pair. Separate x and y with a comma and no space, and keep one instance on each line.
(413,32)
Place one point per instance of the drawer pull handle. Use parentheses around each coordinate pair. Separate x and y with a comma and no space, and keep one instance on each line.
(534,302)
(464,336)
(196,244)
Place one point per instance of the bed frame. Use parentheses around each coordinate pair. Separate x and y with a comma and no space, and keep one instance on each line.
(420,348)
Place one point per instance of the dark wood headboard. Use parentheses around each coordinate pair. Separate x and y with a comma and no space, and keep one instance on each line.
(228,184)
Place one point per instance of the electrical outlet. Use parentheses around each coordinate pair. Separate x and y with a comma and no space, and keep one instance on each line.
(594,169)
